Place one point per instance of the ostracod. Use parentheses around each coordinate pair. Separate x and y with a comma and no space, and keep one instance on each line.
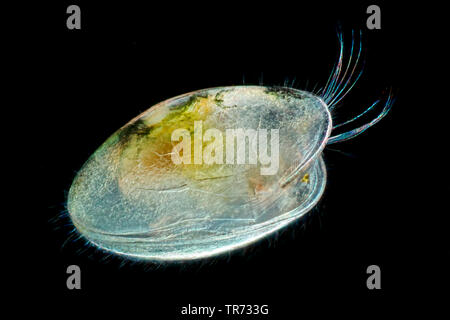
(212,170)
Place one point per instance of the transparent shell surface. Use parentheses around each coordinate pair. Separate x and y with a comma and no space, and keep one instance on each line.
(132,198)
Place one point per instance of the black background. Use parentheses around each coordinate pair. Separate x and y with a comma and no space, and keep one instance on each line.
(378,207)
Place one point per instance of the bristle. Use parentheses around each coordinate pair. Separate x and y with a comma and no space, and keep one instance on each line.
(355,132)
